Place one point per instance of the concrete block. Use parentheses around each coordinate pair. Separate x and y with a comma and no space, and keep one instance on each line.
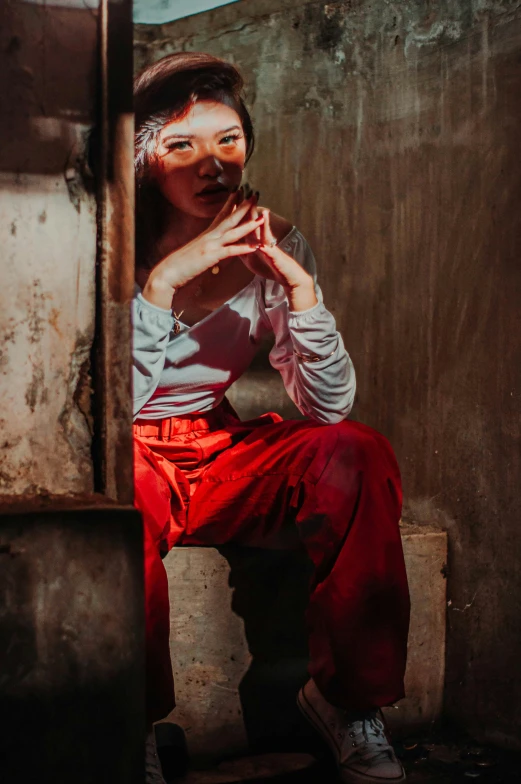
(239,650)
(425,550)
(71,646)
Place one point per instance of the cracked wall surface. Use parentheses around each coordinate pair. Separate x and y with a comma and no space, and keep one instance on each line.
(48,242)
(389,133)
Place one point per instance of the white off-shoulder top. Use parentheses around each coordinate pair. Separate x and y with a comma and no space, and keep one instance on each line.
(176,374)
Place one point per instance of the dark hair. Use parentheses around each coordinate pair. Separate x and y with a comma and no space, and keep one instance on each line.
(165,91)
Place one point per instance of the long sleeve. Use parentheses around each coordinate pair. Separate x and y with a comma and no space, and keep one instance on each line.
(151,333)
(323,390)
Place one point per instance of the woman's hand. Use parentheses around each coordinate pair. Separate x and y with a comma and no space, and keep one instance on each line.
(272,263)
(226,236)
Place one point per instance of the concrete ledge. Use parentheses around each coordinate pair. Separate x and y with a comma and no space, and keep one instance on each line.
(425,550)
(72,618)
(238,643)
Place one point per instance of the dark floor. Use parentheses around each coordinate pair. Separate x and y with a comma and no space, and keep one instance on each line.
(437,759)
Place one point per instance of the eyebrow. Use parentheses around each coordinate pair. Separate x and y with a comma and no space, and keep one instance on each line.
(193,135)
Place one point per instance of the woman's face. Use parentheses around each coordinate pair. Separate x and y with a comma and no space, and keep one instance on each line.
(200,159)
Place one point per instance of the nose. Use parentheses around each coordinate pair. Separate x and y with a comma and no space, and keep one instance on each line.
(210,167)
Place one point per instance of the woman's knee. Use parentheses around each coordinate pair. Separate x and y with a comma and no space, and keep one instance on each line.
(356,442)
(356,449)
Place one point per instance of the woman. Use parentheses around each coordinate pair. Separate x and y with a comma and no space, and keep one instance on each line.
(215,273)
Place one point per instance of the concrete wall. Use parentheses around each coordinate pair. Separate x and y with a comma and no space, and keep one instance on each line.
(389,132)
(71,563)
(48,62)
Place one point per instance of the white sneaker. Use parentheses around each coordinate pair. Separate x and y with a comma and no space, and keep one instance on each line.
(361,749)
(153,772)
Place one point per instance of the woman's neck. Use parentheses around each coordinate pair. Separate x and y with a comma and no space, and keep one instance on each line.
(180,229)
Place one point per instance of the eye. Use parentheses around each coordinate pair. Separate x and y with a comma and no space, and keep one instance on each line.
(181,146)
(230,139)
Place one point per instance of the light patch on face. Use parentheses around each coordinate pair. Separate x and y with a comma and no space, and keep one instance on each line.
(200,159)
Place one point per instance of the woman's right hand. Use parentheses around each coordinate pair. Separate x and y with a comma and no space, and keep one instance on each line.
(221,240)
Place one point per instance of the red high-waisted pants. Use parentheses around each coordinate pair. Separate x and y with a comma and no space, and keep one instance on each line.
(210,478)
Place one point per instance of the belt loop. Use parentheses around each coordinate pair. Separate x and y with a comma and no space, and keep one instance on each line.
(162,429)
(170,427)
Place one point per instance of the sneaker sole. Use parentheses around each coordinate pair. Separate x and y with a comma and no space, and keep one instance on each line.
(314,719)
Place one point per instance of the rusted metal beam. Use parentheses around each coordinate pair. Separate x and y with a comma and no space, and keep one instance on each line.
(115,264)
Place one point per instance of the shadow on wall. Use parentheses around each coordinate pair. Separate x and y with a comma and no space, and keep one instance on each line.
(41,101)
(261,389)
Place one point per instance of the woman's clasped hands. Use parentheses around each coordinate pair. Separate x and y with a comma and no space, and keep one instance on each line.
(240,229)
(272,263)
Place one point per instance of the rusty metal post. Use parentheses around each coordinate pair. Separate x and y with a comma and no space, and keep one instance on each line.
(113,447)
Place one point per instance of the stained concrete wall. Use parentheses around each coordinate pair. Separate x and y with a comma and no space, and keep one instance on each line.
(389,132)
(48,65)
(71,565)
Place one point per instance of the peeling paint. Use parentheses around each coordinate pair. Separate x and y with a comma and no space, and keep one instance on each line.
(36,319)
(34,394)
(76,413)
(48,238)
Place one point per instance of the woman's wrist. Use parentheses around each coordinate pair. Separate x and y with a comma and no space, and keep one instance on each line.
(158,292)
(302,297)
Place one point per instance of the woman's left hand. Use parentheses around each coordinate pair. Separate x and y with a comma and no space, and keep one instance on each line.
(272,263)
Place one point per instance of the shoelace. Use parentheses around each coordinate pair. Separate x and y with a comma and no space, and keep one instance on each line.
(369,739)
(153,772)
